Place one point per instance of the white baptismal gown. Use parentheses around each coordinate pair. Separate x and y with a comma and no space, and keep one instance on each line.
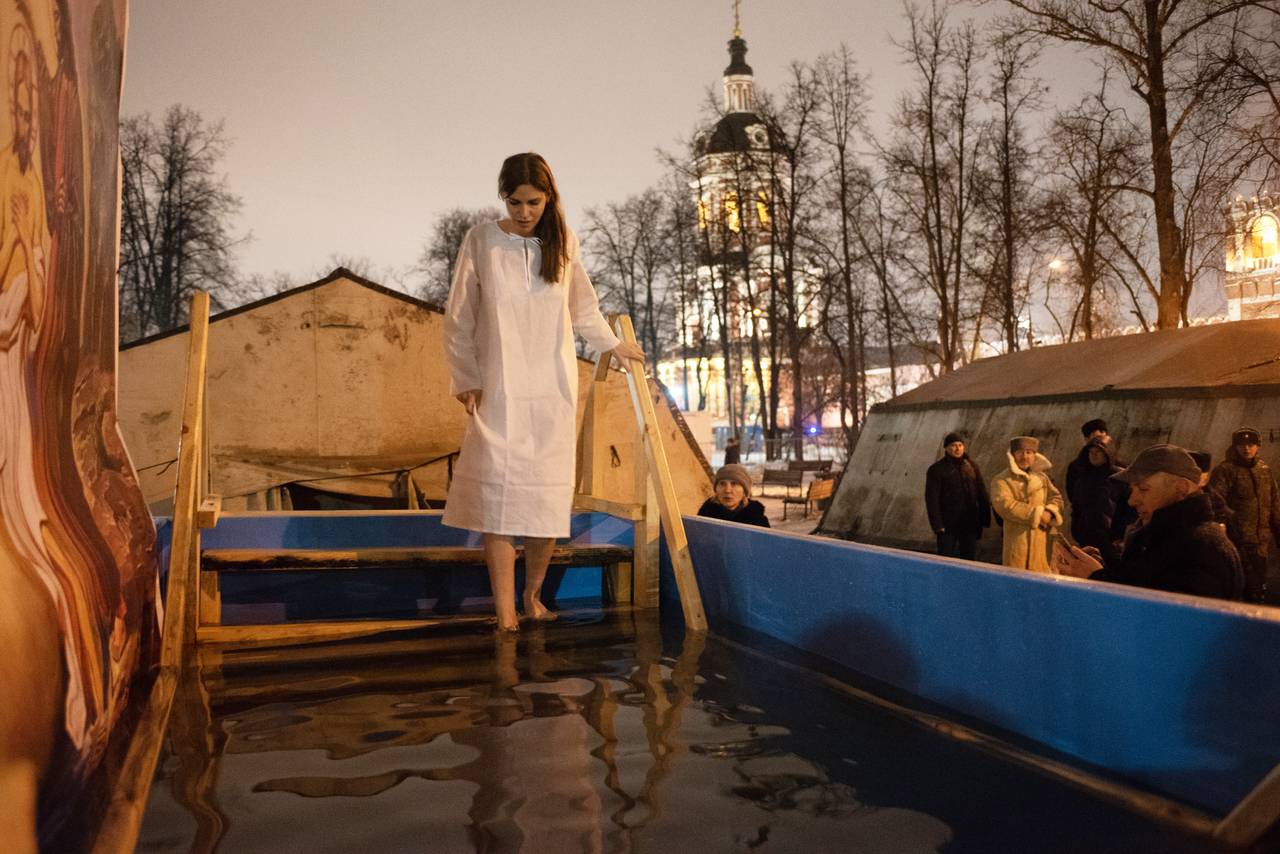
(509,333)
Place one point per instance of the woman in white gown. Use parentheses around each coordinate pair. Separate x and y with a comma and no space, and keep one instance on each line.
(519,293)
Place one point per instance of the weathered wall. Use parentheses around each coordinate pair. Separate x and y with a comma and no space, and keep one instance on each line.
(78,567)
(881,497)
(338,379)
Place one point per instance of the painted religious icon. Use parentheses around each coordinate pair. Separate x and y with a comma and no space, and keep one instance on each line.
(74,531)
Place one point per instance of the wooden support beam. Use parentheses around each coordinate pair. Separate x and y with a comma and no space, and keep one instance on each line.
(210,510)
(590,503)
(122,817)
(210,599)
(592,416)
(326,631)
(417,557)
(656,455)
(646,538)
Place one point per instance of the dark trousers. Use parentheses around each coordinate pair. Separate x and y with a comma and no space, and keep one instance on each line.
(963,545)
(1254,561)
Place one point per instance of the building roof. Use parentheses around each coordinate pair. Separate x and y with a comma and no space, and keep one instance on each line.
(730,134)
(335,275)
(1236,358)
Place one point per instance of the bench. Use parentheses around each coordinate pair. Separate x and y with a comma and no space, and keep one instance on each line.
(809,465)
(785,478)
(215,562)
(820,489)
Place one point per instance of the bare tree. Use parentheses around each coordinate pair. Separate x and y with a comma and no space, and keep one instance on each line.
(930,162)
(793,201)
(1008,198)
(175,219)
(434,270)
(630,264)
(842,118)
(1094,153)
(1180,59)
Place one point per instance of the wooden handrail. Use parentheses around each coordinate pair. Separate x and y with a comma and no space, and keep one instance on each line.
(122,819)
(655,454)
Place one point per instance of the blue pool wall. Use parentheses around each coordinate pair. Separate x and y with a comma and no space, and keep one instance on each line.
(331,594)
(1176,694)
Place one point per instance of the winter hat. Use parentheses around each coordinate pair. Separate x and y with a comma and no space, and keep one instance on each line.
(1246,434)
(1091,427)
(735,474)
(1204,459)
(1019,442)
(1104,444)
(1169,459)
(953,437)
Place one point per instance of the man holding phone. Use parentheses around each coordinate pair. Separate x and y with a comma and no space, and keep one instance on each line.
(1180,547)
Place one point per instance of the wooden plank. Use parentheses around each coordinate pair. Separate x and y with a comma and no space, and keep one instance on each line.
(210,510)
(592,504)
(210,599)
(118,832)
(122,818)
(190,458)
(677,543)
(327,631)
(592,416)
(1253,816)
(646,536)
(417,557)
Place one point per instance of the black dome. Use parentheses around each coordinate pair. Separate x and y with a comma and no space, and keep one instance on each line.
(731,134)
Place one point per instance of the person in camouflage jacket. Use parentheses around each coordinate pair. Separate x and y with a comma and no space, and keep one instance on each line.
(1248,488)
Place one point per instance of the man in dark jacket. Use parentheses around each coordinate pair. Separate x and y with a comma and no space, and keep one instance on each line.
(956,498)
(1247,486)
(1100,509)
(1179,547)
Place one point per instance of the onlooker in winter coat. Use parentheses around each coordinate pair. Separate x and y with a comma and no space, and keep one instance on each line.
(1030,505)
(1093,428)
(1204,462)
(1249,489)
(732,501)
(1178,546)
(957,501)
(732,451)
(1100,509)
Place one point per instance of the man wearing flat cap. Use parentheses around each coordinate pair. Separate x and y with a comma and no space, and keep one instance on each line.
(956,500)
(1179,547)
(1248,488)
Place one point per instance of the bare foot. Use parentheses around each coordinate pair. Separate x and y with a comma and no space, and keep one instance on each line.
(509,627)
(535,610)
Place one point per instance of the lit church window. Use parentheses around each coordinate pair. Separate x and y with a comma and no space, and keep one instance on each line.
(731,217)
(702,214)
(762,208)
(1264,239)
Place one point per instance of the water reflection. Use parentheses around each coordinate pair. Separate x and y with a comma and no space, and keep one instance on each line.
(588,737)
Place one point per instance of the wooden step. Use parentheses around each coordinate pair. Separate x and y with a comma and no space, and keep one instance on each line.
(416,557)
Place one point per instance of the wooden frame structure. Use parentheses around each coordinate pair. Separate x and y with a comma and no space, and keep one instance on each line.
(653,481)
(122,820)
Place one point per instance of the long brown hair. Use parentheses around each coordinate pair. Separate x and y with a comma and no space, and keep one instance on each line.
(531,169)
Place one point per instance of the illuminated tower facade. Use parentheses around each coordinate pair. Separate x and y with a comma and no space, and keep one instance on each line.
(1253,257)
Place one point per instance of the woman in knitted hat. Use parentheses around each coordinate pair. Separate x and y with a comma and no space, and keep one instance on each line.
(732,501)
(1030,505)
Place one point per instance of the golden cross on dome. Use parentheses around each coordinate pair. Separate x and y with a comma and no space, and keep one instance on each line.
(737,19)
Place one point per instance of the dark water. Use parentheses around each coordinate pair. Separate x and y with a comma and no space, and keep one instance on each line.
(593,734)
